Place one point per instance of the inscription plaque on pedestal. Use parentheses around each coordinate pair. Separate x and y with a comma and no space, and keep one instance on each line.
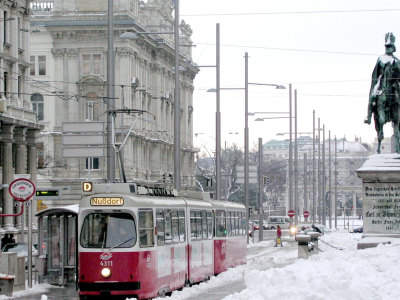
(381,200)
(381,208)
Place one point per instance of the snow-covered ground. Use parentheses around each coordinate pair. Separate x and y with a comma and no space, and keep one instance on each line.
(339,272)
(333,274)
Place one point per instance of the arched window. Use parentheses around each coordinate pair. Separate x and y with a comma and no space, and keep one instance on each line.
(38,106)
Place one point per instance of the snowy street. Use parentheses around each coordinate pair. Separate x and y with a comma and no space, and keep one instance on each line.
(339,272)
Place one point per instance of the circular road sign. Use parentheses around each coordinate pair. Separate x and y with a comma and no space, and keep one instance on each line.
(306,214)
(22,189)
(290,213)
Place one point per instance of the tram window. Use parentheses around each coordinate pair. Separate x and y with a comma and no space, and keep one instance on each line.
(168,227)
(146,228)
(204,224)
(193,232)
(198,225)
(175,226)
(182,231)
(236,223)
(113,230)
(209,225)
(228,223)
(160,227)
(220,223)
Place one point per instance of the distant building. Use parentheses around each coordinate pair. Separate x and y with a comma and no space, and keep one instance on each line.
(350,156)
(69,56)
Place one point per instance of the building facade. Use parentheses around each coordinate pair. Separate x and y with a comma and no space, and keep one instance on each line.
(18,122)
(69,56)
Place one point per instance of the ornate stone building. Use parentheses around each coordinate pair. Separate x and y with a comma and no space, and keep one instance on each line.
(18,125)
(70,58)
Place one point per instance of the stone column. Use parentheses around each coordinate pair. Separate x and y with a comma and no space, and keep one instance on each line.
(32,170)
(8,177)
(14,32)
(354,203)
(20,164)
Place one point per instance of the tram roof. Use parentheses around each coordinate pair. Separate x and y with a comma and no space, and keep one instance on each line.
(74,209)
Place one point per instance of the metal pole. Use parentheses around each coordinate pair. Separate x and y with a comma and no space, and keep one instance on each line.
(218,183)
(177,108)
(313,180)
(110,93)
(290,154)
(121,151)
(305,184)
(319,172)
(246,141)
(330,183)
(260,190)
(335,183)
(323,178)
(296,167)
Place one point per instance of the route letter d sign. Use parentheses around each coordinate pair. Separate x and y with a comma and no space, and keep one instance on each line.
(87,186)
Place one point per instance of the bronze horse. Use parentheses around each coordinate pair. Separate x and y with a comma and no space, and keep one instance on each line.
(384,101)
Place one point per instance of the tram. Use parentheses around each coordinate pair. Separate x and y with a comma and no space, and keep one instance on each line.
(143,242)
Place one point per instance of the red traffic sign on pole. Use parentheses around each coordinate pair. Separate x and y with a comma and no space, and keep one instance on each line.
(306,214)
(22,189)
(290,213)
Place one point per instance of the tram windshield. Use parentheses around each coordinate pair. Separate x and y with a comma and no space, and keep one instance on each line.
(108,230)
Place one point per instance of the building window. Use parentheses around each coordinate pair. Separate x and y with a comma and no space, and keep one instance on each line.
(38,65)
(38,106)
(92,163)
(92,107)
(91,64)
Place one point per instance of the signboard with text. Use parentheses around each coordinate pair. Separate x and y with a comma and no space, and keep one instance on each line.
(381,208)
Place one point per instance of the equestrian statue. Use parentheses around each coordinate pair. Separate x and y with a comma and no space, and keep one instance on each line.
(384,95)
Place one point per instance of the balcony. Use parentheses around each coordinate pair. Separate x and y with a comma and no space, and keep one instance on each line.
(42,6)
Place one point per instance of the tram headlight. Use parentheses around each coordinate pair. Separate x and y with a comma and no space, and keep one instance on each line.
(293,229)
(106,272)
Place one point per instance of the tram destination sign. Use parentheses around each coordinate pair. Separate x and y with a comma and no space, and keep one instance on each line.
(106,201)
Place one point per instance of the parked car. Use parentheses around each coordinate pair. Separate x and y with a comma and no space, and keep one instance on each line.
(265,224)
(357,230)
(251,230)
(256,224)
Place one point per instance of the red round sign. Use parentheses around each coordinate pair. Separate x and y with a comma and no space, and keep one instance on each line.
(22,189)
(306,214)
(290,213)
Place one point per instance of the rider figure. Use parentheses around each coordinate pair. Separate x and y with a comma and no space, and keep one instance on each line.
(378,77)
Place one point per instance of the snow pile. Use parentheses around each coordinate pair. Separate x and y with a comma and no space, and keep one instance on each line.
(333,274)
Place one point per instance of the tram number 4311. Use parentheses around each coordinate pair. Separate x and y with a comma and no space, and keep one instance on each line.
(106,263)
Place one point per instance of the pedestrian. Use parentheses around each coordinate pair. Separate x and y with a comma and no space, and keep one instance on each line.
(278,236)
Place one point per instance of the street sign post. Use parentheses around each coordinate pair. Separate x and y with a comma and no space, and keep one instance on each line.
(22,189)
(290,213)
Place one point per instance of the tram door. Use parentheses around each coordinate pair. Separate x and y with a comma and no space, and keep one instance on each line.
(59,237)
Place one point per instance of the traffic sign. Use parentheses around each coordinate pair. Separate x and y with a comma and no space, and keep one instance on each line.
(22,189)
(306,214)
(290,213)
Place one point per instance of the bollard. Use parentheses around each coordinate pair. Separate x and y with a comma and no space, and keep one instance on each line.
(314,240)
(303,250)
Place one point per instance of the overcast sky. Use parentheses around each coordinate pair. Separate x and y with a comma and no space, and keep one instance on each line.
(326,49)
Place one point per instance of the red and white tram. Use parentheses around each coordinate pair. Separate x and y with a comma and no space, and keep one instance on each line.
(144,242)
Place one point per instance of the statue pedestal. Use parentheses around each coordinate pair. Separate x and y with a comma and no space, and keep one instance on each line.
(381,201)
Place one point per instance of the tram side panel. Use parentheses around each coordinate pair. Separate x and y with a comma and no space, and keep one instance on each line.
(230,244)
(201,247)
